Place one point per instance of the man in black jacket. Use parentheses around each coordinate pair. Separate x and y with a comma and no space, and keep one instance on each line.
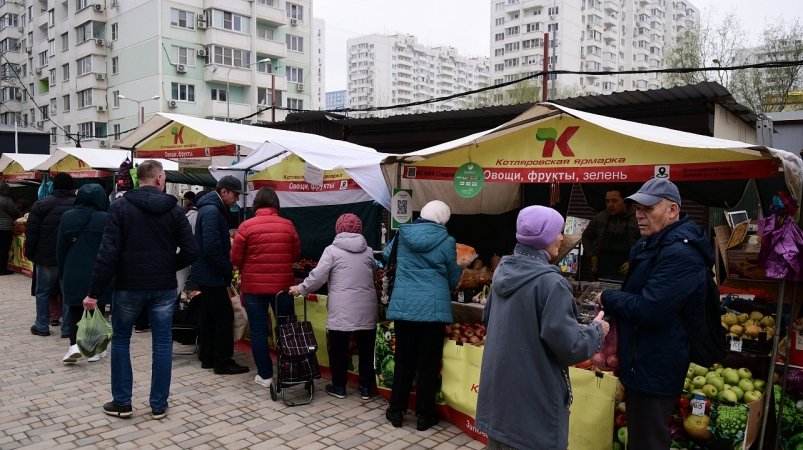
(41,233)
(143,231)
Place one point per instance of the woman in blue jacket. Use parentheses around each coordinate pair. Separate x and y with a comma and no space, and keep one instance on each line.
(420,305)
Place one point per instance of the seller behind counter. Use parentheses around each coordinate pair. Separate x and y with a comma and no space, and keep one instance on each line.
(610,235)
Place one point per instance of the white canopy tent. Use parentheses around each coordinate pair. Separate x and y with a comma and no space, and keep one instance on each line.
(96,158)
(266,147)
(25,163)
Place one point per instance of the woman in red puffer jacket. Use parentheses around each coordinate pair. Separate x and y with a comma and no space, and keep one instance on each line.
(264,249)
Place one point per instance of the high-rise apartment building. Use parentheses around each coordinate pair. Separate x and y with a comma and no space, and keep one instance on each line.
(394,70)
(589,35)
(92,67)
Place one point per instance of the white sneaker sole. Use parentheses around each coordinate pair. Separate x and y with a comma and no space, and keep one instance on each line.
(69,359)
(97,358)
(262,383)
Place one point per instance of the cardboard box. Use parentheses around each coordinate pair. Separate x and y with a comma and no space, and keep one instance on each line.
(743,263)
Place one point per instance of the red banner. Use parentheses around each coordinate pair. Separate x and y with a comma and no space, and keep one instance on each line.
(302,186)
(22,176)
(223,150)
(734,170)
(91,173)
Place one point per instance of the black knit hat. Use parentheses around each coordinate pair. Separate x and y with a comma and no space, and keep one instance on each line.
(63,181)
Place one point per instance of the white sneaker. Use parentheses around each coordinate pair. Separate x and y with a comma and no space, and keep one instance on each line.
(97,357)
(264,382)
(72,355)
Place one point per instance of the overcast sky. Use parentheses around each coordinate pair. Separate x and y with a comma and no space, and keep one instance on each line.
(465,24)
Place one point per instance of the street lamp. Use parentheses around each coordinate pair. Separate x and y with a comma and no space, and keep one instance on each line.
(140,109)
(228,92)
(272,92)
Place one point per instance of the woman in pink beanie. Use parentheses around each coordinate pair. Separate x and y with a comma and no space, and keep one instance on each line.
(348,266)
(533,337)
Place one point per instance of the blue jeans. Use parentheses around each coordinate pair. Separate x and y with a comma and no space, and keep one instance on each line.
(256,305)
(126,308)
(47,284)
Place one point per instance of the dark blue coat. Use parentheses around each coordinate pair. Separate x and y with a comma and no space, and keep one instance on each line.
(662,298)
(144,229)
(42,228)
(213,268)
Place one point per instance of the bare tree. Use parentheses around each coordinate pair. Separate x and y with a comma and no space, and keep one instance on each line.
(769,89)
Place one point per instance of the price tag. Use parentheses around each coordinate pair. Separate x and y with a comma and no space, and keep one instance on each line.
(698,405)
(736,345)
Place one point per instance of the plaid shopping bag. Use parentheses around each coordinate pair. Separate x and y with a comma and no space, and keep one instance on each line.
(297,347)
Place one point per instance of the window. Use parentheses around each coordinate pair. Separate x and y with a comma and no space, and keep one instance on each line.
(52,77)
(86,130)
(531,27)
(499,37)
(65,42)
(67,137)
(294,74)
(184,55)
(512,31)
(295,103)
(183,92)
(512,62)
(65,103)
(116,132)
(83,32)
(552,27)
(182,19)
(219,95)
(512,47)
(115,99)
(553,10)
(499,21)
(115,31)
(45,112)
(53,135)
(83,65)
(265,33)
(295,11)
(115,65)
(294,43)
(532,43)
(499,67)
(81,4)
(51,18)
(499,52)
(227,56)
(230,21)
(85,98)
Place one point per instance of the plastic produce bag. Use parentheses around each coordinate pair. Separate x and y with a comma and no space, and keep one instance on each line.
(607,358)
(94,334)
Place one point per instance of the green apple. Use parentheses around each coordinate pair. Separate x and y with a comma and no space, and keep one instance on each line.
(686,385)
(717,383)
(622,435)
(726,386)
(759,384)
(698,382)
(690,373)
(699,370)
(745,374)
(618,446)
(751,396)
(728,396)
(746,385)
(710,391)
(712,374)
(719,371)
(738,391)
(697,391)
(731,376)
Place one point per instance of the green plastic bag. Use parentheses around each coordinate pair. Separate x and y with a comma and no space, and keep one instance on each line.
(94,334)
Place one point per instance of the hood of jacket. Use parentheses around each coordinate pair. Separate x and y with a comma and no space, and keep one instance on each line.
(686,231)
(422,237)
(211,199)
(519,269)
(91,195)
(151,200)
(350,242)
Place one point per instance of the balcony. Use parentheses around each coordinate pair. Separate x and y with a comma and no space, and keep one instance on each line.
(226,38)
(272,14)
(264,80)
(610,7)
(610,21)
(272,49)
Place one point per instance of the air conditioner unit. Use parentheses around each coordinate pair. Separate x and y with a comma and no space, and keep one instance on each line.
(29,49)
(19,95)
(172,103)
(17,46)
(101,108)
(202,24)
(99,42)
(100,76)
(103,144)
(201,52)
(181,68)
(40,123)
(21,29)
(98,7)
(293,22)
(300,87)
(39,71)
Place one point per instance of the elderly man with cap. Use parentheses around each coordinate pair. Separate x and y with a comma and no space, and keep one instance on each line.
(348,267)
(420,305)
(660,302)
(533,337)
(212,272)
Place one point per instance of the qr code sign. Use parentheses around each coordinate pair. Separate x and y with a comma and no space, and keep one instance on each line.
(401,207)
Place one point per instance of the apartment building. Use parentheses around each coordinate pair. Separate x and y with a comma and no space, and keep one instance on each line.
(92,69)
(336,99)
(396,69)
(589,35)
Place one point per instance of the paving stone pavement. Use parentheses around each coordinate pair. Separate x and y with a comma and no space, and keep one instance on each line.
(46,404)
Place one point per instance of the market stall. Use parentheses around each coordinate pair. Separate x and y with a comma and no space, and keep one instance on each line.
(19,167)
(491,174)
